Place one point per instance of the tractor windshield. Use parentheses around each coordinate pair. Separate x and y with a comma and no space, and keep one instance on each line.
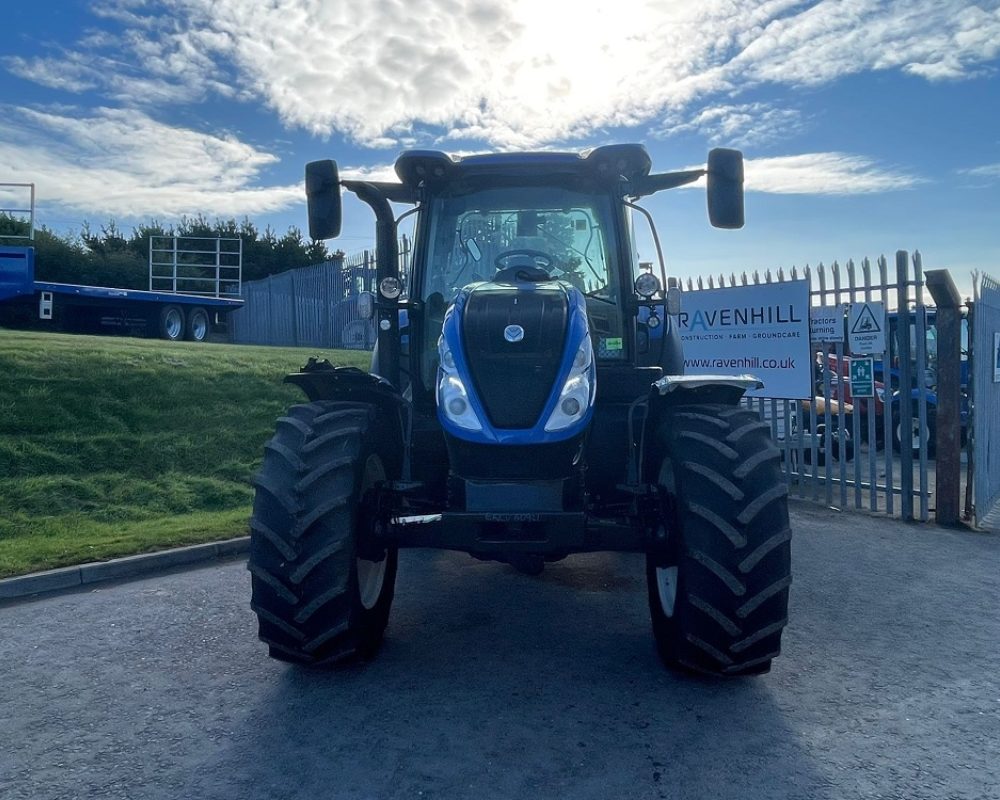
(559,230)
(565,232)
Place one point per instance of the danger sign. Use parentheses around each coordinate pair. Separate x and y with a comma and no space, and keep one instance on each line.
(866,328)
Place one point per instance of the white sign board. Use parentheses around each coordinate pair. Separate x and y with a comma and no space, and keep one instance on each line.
(826,323)
(866,328)
(761,330)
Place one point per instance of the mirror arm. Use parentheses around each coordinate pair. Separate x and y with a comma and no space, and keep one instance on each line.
(650,184)
(394,192)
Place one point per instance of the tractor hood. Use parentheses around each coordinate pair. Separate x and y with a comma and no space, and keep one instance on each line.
(519,350)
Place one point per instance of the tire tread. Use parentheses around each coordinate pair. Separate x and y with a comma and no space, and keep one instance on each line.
(302,546)
(728,506)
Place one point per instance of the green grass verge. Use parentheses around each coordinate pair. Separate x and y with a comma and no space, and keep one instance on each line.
(113,446)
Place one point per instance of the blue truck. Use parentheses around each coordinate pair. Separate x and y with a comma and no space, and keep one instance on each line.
(194,284)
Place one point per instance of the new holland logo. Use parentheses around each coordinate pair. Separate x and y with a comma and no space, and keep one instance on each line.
(513,333)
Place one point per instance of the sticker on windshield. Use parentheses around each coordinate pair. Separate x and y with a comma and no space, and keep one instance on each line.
(609,347)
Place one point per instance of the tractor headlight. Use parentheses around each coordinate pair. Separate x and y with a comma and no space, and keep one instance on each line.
(452,398)
(577,392)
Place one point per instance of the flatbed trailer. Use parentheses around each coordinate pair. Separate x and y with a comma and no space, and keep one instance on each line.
(73,307)
(213,271)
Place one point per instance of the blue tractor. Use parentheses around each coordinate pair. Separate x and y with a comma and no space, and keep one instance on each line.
(519,409)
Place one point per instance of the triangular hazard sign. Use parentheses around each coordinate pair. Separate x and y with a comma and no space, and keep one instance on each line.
(866,322)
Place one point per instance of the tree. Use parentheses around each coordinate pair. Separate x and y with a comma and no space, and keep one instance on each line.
(107,257)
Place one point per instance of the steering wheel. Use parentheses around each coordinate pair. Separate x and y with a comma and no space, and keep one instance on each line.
(533,271)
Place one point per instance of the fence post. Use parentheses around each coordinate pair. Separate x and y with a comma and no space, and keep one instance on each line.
(905,384)
(270,309)
(949,424)
(294,306)
(970,425)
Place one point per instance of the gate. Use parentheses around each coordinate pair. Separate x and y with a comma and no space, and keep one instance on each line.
(986,399)
(868,453)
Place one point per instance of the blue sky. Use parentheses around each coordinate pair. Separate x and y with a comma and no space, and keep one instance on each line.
(868,126)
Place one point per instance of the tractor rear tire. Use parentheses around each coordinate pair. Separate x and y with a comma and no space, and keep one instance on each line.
(718,591)
(322,584)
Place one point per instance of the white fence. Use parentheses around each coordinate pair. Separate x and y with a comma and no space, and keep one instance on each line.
(870,453)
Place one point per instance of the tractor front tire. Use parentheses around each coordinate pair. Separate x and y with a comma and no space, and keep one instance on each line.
(718,590)
(322,584)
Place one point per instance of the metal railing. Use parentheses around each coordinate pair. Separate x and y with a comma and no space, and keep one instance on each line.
(313,306)
(830,450)
(211,266)
(18,193)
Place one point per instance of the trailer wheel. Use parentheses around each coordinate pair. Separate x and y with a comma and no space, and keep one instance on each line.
(198,325)
(172,323)
(718,589)
(322,584)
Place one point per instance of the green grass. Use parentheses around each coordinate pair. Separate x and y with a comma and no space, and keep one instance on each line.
(112,446)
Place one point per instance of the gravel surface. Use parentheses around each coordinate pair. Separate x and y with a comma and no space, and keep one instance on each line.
(493,684)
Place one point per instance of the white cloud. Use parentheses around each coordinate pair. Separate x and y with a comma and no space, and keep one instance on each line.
(376,172)
(124,163)
(743,125)
(819,173)
(55,73)
(984,171)
(521,72)
(823,173)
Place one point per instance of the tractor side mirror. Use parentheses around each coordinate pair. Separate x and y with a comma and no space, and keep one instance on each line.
(366,305)
(725,188)
(323,195)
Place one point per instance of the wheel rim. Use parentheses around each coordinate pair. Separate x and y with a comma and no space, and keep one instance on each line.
(371,577)
(199,326)
(666,589)
(173,323)
(919,434)
(371,574)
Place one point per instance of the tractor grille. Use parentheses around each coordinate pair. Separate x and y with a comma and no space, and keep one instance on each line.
(514,379)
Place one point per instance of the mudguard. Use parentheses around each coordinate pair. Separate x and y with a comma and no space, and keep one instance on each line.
(321,380)
(687,389)
(672,391)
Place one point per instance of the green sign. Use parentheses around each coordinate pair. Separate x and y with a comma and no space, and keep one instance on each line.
(862,377)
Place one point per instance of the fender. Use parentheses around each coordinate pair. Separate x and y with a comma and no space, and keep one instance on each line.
(321,380)
(672,391)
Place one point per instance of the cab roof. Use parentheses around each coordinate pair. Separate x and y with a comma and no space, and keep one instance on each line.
(611,162)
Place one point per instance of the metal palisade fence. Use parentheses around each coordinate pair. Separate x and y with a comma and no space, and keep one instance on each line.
(870,453)
(986,398)
(314,306)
